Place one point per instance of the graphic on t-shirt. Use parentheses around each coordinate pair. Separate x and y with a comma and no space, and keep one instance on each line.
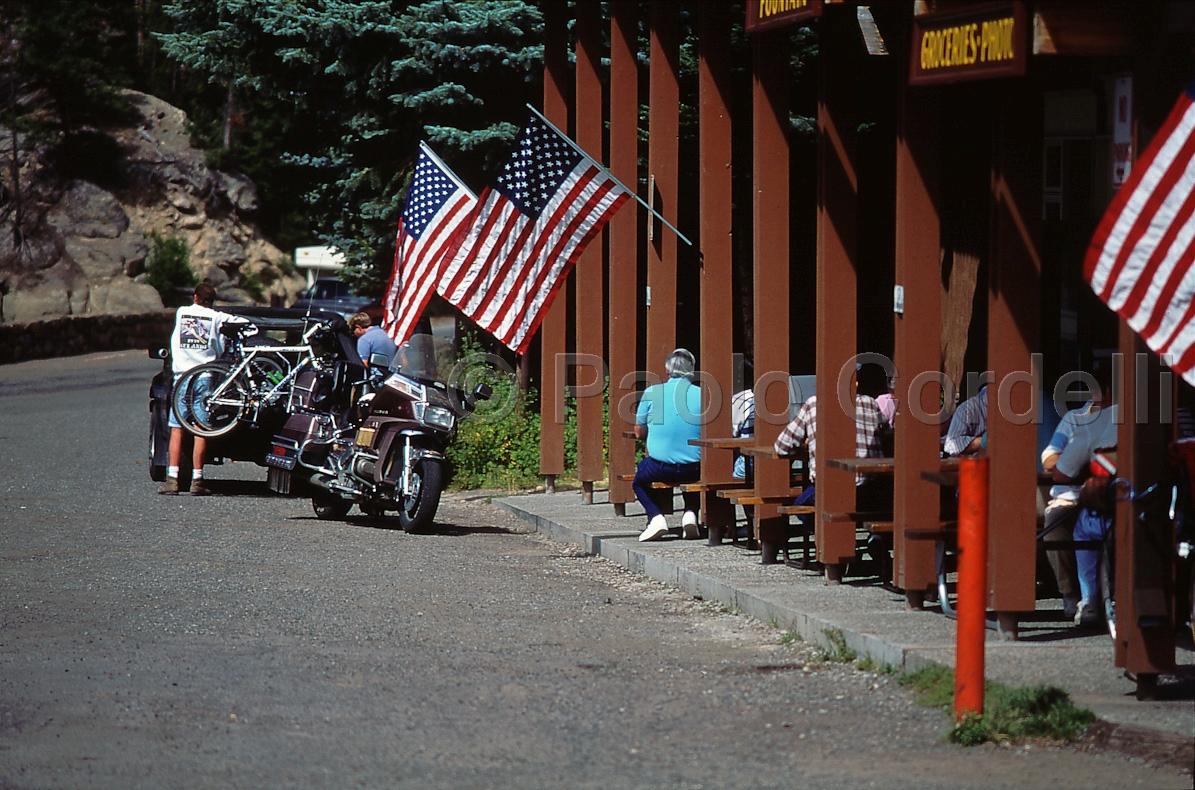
(195,332)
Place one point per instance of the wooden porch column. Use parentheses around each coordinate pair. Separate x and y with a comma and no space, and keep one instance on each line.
(771,267)
(717,330)
(918,272)
(552,330)
(1144,550)
(624,243)
(663,129)
(589,276)
(1014,283)
(838,184)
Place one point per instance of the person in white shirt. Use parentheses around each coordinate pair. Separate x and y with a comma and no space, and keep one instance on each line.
(1094,428)
(196,339)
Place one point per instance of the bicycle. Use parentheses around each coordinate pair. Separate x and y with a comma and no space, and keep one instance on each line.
(212,398)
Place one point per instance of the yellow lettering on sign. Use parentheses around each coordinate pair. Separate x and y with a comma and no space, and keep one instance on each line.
(963,45)
(772,7)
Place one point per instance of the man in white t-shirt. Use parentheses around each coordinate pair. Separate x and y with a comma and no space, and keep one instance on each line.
(196,339)
(1094,429)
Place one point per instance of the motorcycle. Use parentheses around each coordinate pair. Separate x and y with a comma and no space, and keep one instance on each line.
(377,442)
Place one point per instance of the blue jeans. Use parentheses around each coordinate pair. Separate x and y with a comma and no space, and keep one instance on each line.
(1089,526)
(806,497)
(652,471)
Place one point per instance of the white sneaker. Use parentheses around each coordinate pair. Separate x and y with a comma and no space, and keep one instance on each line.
(656,528)
(1088,614)
(689,522)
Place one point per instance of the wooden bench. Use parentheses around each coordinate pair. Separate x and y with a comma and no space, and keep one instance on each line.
(796,510)
(857,517)
(666,506)
(700,486)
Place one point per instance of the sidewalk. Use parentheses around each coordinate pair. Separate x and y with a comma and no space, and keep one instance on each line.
(873,620)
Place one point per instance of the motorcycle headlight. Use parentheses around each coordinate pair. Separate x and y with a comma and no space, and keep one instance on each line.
(435,415)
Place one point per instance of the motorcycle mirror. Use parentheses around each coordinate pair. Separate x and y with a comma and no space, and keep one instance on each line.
(483,392)
(377,360)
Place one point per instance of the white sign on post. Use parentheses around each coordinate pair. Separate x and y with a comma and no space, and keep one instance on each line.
(1122,128)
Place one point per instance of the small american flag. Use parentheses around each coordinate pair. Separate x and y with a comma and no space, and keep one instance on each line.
(432,227)
(1139,261)
(548,202)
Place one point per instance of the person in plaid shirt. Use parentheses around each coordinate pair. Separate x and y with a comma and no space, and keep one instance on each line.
(871,429)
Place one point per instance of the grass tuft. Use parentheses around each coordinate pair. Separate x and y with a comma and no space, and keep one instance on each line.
(1010,713)
(837,652)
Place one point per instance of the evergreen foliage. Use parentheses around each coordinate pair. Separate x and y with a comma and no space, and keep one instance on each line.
(168,268)
(65,61)
(362,82)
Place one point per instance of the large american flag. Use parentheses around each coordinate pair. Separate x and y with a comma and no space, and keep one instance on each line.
(1140,258)
(548,202)
(433,225)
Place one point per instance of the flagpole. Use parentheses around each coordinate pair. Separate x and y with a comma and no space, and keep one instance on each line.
(602,167)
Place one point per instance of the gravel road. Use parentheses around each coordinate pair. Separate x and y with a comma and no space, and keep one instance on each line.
(236,641)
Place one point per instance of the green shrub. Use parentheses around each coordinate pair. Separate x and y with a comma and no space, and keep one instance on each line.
(168,268)
(251,284)
(498,445)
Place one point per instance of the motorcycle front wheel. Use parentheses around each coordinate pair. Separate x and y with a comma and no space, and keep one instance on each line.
(417,508)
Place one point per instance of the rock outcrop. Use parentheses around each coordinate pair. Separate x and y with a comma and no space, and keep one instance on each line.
(82,249)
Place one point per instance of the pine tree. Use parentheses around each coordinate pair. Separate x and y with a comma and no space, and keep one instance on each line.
(364,81)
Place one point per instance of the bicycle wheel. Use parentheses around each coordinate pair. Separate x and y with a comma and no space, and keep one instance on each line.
(268,369)
(209,403)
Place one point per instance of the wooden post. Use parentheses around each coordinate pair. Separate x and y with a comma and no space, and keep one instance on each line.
(663,128)
(836,284)
(1014,277)
(624,242)
(1144,568)
(918,273)
(717,329)
(590,332)
(771,266)
(552,330)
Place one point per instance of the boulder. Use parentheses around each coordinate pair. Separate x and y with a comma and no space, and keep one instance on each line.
(39,250)
(103,258)
(238,191)
(88,211)
(46,300)
(120,295)
(217,246)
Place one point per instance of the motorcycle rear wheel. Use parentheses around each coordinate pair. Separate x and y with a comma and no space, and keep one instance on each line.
(417,510)
(329,507)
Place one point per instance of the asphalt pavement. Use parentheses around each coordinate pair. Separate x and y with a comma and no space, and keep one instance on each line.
(872,618)
(236,641)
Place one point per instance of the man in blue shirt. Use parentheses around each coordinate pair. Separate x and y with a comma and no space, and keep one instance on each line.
(370,339)
(668,417)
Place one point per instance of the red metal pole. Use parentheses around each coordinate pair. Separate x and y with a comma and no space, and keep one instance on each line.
(972,585)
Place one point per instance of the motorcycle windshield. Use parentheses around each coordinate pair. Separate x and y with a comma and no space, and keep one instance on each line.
(425,357)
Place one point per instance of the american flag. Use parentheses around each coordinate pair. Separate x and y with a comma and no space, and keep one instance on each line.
(1139,261)
(433,224)
(548,202)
